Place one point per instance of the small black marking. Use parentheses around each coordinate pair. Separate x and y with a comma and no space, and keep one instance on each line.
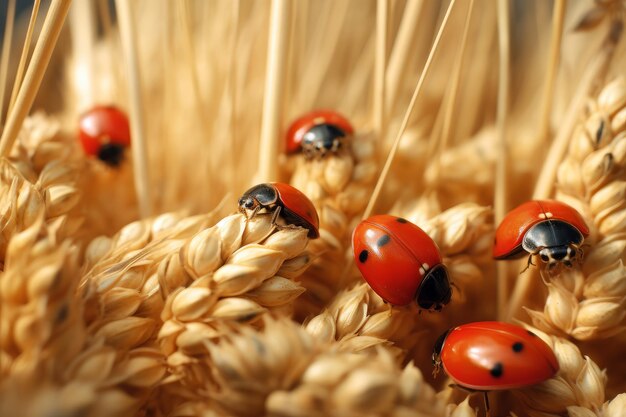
(401,220)
(497,370)
(363,256)
(518,347)
(599,132)
(531,333)
(111,154)
(383,240)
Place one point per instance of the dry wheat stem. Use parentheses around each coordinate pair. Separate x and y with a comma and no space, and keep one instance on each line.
(402,49)
(6,49)
(558,20)
(24,56)
(501,168)
(407,116)
(380,66)
(138,132)
(83,34)
(35,72)
(274,89)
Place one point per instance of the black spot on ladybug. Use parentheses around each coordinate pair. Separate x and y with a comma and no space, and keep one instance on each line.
(531,333)
(383,240)
(497,370)
(363,256)
(401,220)
(518,347)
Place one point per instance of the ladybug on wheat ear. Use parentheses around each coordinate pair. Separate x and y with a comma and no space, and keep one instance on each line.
(548,228)
(401,262)
(318,133)
(491,355)
(104,132)
(282,200)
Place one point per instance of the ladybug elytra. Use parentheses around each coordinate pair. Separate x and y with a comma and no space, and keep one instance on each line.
(284,200)
(491,355)
(401,262)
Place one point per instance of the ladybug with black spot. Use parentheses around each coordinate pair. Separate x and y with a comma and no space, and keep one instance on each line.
(318,133)
(282,200)
(401,262)
(491,355)
(551,229)
(104,132)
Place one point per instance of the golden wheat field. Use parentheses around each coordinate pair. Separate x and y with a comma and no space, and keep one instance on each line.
(142,288)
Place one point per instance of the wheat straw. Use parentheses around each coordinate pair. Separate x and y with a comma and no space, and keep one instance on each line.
(35,72)
(6,49)
(24,56)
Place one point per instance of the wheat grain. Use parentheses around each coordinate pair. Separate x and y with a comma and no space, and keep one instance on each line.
(284,372)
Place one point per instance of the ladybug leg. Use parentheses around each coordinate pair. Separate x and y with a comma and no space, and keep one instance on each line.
(275,215)
(254,212)
(486,397)
(528,264)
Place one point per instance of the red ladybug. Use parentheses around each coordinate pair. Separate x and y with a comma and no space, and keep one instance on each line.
(551,229)
(286,201)
(401,262)
(104,132)
(491,355)
(318,133)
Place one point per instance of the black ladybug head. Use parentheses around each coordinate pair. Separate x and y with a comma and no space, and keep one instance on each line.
(247,202)
(435,291)
(111,154)
(322,139)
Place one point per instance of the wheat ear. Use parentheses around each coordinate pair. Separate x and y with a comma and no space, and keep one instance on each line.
(588,302)
(338,186)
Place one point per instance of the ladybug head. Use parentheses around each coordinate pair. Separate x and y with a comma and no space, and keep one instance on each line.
(437,352)
(111,154)
(557,255)
(434,291)
(322,139)
(248,202)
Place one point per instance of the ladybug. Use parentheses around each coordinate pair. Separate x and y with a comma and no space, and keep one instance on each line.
(288,202)
(104,132)
(548,228)
(401,262)
(318,133)
(491,355)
